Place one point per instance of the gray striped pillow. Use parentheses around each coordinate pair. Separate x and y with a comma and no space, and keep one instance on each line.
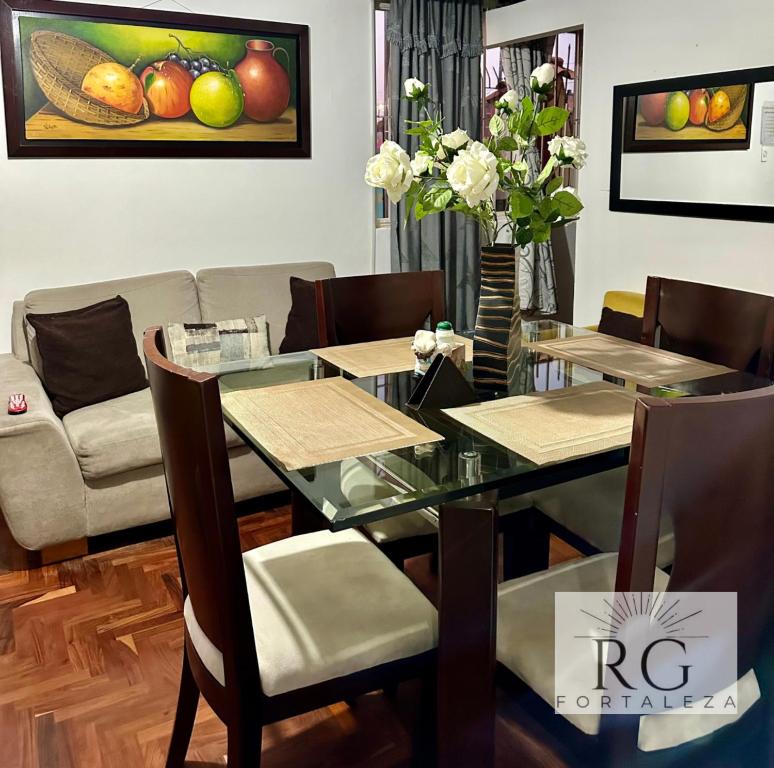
(199,344)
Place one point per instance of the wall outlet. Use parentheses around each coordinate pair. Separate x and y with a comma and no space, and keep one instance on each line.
(764,154)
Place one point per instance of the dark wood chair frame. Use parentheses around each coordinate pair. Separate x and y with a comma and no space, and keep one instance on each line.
(710,318)
(190,421)
(722,325)
(674,463)
(351,310)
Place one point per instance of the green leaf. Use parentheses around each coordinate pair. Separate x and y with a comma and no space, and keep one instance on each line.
(442,200)
(507,144)
(521,204)
(523,236)
(416,131)
(496,125)
(550,120)
(567,204)
(542,234)
(548,208)
(148,82)
(526,117)
(545,173)
(553,185)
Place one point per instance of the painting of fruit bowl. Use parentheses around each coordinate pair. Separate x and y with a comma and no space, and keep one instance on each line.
(99,80)
(704,117)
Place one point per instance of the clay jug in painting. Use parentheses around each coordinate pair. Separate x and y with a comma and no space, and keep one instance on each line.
(264,80)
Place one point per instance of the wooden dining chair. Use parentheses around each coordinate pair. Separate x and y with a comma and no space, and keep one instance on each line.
(284,628)
(351,310)
(375,307)
(707,462)
(720,325)
(709,322)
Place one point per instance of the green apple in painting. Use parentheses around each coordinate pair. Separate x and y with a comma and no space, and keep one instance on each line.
(678,110)
(652,107)
(217,99)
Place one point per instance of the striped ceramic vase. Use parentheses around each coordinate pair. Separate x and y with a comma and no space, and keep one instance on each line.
(497,339)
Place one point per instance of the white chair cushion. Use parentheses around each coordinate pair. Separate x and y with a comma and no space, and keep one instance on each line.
(592,508)
(401,527)
(525,644)
(325,605)
(359,485)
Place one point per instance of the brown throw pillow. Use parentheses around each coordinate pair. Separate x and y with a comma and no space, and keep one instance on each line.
(301,329)
(88,355)
(620,324)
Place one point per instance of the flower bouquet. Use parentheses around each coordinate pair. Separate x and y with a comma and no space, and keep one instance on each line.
(452,172)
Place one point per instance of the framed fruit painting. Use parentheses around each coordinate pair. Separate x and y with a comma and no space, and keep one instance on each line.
(700,113)
(84,80)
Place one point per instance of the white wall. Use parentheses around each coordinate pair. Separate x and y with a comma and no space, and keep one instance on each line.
(630,41)
(72,221)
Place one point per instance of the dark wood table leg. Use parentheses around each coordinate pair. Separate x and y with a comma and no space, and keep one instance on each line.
(305,517)
(467,615)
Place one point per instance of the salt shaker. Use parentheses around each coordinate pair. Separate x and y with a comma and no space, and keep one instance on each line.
(444,333)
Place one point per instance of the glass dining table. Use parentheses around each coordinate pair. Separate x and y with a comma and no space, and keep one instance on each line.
(453,483)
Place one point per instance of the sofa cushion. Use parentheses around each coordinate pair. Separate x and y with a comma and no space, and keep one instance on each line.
(87,355)
(209,344)
(301,331)
(153,300)
(18,339)
(118,435)
(260,290)
(620,325)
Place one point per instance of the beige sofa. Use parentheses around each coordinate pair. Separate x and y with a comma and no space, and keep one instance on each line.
(99,469)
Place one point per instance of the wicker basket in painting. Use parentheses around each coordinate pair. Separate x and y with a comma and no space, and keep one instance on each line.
(60,62)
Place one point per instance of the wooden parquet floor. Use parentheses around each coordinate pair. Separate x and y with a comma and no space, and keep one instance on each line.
(90,654)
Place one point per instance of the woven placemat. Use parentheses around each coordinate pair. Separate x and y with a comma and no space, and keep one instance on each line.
(315,422)
(628,360)
(556,425)
(372,358)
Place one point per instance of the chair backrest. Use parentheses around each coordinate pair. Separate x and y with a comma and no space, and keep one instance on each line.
(720,325)
(374,307)
(193,449)
(707,462)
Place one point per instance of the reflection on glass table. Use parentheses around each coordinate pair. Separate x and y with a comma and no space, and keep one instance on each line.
(424,476)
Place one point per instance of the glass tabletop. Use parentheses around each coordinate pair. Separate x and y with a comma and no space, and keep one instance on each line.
(365,489)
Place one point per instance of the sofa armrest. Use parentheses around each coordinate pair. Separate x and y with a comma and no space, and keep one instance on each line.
(41,487)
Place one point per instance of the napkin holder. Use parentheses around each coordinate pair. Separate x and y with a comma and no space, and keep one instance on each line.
(442,386)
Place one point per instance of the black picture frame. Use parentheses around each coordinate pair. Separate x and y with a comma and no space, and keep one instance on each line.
(19,146)
(727,211)
(714,80)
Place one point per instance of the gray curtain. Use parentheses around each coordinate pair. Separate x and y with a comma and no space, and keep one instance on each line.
(537,282)
(439,42)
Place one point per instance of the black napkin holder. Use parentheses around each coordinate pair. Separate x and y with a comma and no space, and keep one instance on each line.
(442,386)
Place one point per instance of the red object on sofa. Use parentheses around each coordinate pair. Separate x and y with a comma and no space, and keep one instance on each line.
(17,403)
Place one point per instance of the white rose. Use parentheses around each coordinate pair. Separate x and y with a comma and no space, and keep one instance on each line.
(414,88)
(390,170)
(422,163)
(455,139)
(542,77)
(568,151)
(473,174)
(510,99)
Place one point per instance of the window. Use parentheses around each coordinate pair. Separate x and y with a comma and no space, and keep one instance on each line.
(382,91)
(562,50)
